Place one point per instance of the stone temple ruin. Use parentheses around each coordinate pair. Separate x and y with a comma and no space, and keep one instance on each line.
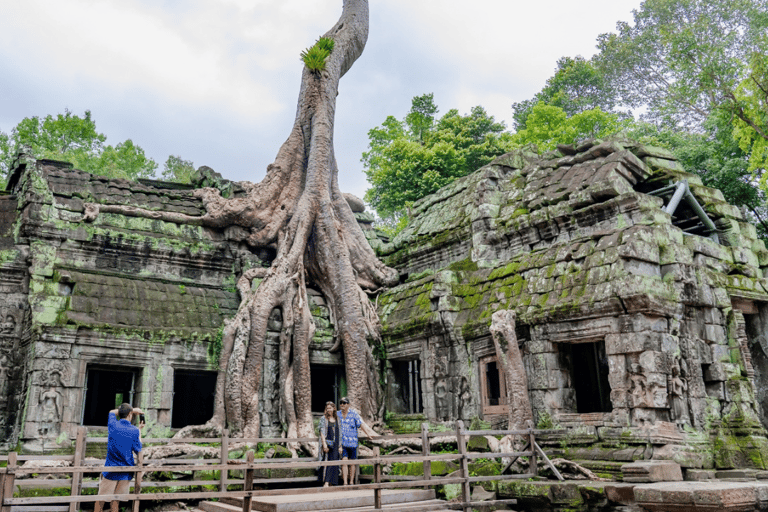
(641,302)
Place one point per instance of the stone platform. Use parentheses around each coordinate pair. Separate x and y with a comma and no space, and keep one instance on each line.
(327,500)
(700,496)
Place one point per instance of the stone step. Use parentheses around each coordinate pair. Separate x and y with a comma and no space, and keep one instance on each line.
(418,506)
(218,506)
(329,500)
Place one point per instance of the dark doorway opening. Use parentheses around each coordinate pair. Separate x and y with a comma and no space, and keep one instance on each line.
(105,389)
(193,393)
(408,377)
(493,384)
(589,374)
(326,386)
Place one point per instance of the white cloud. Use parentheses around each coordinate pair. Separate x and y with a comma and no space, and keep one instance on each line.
(217,80)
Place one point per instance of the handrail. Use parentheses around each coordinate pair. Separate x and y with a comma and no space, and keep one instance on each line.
(251,465)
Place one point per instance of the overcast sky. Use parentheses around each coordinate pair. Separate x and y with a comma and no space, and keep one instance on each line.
(216,81)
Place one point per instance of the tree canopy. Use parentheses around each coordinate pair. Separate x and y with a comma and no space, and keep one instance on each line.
(410,158)
(682,59)
(578,85)
(75,139)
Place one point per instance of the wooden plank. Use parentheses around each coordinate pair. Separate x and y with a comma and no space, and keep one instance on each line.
(376,480)
(248,483)
(509,464)
(464,465)
(77,461)
(494,455)
(23,458)
(425,451)
(217,494)
(224,457)
(534,466)
(8,482)
(43,508)
(137,483)
(512,432)
(549,462)
(494,478)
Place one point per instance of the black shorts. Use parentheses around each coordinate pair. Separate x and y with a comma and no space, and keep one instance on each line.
(350,453)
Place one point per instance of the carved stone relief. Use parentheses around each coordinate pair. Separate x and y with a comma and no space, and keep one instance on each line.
(51,404)
(678,387)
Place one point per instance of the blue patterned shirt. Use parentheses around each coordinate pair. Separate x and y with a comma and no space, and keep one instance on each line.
(349,428)
(124,439)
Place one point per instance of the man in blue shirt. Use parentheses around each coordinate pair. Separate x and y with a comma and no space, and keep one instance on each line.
(349,421)
(124,439)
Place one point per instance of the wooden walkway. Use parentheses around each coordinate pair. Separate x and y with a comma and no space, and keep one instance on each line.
(241,491)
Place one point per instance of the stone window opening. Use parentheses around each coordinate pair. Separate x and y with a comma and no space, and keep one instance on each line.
(408,378)
(493,386)
(588,367)
(193,397)
(327,385)
(106,387)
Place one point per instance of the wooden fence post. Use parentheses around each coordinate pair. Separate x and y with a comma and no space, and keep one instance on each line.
(9,482)
(376,479)
(461,441)
(248,483)
(534,463)
(137,483)
(425,451)
(224,460)
(77,461)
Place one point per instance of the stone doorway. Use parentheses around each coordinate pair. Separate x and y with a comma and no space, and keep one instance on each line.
(193,396)
(105,389)
(408,378)
(589,377)
(327,386)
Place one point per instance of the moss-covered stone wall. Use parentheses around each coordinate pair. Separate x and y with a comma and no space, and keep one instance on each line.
(577,242)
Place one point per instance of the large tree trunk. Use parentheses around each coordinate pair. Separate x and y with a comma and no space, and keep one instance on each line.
(511,361)
(299,210)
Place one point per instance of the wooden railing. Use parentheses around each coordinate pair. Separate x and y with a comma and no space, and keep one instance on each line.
(250,466)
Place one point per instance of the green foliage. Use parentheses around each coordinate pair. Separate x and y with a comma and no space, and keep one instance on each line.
(684,58)
(214,349)
(314,57)
(578,85)
(750,119)
(549,125)
(409,159)
(178,170)
(74,139)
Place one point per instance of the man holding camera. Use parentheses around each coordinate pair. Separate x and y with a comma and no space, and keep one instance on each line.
(124,440)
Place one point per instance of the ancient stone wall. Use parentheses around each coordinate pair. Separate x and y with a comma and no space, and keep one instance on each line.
(123,296)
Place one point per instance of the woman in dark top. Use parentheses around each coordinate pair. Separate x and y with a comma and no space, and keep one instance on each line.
(330,437)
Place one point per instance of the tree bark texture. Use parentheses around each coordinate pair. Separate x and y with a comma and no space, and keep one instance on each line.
(298,210)
(511,361)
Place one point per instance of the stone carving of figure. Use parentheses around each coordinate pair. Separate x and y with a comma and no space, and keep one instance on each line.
(677,389)
(50,406)
(441,397)
(465,396)
(9,326)
(5,368)
(639,389)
